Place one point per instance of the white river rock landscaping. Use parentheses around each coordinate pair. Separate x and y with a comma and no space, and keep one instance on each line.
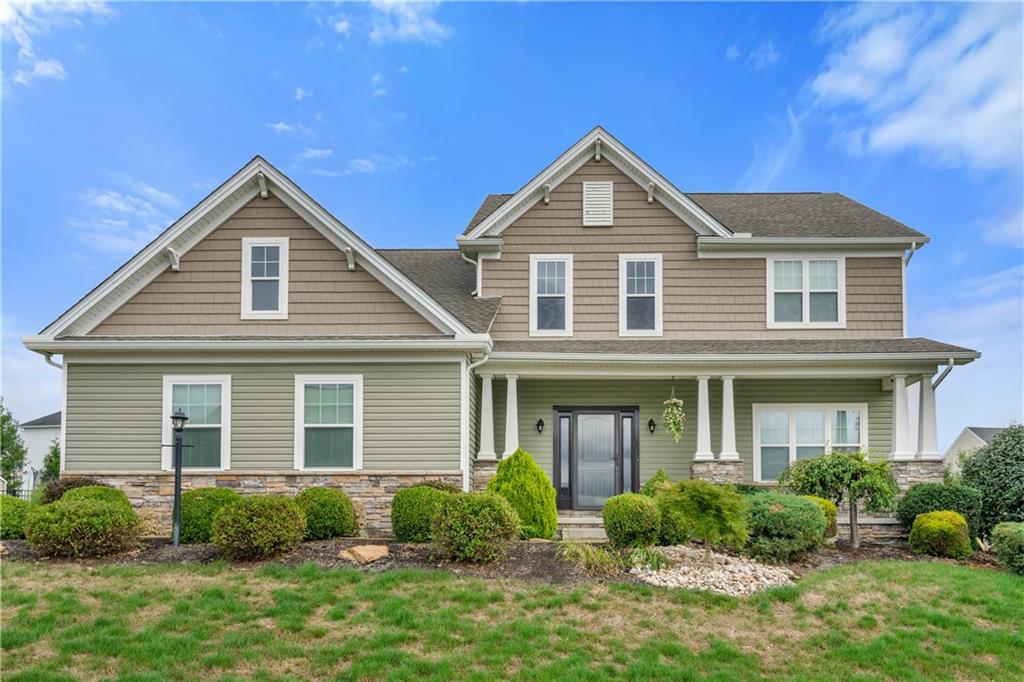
(735,576)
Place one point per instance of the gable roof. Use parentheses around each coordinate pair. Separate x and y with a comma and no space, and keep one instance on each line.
(49,420)
(986,433)
(256,178)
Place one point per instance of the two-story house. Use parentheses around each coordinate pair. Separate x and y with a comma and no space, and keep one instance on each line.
(570,311)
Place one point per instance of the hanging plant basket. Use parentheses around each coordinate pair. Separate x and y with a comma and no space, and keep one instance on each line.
(673,417)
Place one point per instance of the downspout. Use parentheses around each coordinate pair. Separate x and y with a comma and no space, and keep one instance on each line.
(476,264)
(49,360)
(945,373)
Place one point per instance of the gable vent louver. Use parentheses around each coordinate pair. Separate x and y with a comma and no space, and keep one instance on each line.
(597,203)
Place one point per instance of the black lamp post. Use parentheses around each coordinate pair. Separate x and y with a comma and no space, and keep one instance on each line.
(178,420)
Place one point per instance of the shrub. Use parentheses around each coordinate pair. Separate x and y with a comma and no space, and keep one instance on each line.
(656,484)
(413,510)
(715,514)
(831,512)
(329,513)
(752,488)
(674,529)
(98,492)
(631,520)
(439,485)
(997,470)
(926,497)
(475,527)
(258,526)
(198,507)
(55,490)
(592,559)
(1008,542)
(12,517)
(528,489)
(940,533)
(82,528)
(647,557)
(784,526)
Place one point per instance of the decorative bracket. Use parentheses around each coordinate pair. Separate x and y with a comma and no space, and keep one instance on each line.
(350,255)
(263,185)
(175,259)
(650,192)
(597,150)
(547,194)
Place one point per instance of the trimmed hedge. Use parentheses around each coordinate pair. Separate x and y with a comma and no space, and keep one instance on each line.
(631,520)
(198,507)
(1008,542)
(55,490)
(329,513)
(657,483)
(258,527)
(674,528)
(783,526)
(413,510)
(942,534)
(439,485)
(98,492)
(831,512)
(928,497)
(528,489)
(82,528)
(13,512)
(476,527)
(997,470)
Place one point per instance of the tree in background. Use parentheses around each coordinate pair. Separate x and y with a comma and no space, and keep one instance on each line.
(12,449)
(846,475)
(51,463)
(997,470)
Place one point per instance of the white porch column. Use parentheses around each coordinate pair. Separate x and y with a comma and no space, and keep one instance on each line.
(900,422)
(728,422)
(486,418)
(703,421)
(511,415)
(927,433)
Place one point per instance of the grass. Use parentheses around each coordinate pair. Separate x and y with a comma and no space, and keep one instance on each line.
(871,621)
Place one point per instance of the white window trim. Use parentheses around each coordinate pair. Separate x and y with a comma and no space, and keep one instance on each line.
(828,408)
(626,258)
(545,258)
(611,204)
(167,453)
(282,293)
(806,324)
(357,418)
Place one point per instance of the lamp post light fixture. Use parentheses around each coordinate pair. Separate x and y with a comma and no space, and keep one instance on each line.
(178,420)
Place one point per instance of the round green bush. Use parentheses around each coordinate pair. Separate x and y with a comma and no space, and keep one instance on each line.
(198,507)
(941,533)
(926,497)
(528,489)
(413,510)
(657,483)
(98,492)
(631,520)
(55,490)
(12,517)
(82,528)
(440,485)
(475,527)
(783,526)
(828,507)
(1008,542)
(258,527)
(329,513)
(997,470)
(674,528)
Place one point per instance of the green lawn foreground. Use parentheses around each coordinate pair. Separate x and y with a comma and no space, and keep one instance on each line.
(875,620)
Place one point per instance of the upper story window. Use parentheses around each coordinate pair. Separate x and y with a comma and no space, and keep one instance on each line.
(806,292)
(597,204)
(206,401)
(640,294)
(265,278)
(550,295)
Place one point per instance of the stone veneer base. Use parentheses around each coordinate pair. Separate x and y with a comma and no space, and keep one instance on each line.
(483,471)
(717,471)
(152,493)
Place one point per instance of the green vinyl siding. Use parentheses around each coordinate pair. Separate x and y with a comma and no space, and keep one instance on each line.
(410,414)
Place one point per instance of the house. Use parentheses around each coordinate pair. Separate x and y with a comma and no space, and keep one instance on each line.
(39,435)
(969,440)
(569,312)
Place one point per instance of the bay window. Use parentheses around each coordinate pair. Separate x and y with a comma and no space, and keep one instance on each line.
(806,292)
(785,434)
(328,422)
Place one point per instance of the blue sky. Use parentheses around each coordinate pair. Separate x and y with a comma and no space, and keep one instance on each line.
(399,119)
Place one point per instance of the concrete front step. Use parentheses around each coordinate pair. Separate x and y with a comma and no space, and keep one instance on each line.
(581,528)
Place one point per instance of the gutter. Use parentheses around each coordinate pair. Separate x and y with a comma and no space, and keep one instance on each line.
(468,342)
(724,358)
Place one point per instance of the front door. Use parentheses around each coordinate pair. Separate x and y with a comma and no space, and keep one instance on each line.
(595,455)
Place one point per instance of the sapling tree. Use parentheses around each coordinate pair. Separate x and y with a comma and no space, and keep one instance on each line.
(844,475)
(12,449)
(713,513)
(51,462)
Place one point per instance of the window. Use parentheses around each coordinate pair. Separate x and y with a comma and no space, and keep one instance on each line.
(640,295)
(206,400)
(597,204)
(784,434)
(328,422)
(806,292)
(265,279)
(551,295)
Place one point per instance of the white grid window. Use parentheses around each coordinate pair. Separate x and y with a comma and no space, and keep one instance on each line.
(265,278)
(551,295)
(806,292)
(640,294)
(206,401)
(785,434)
(328,422)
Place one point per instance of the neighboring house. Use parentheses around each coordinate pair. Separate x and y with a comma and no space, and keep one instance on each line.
(567,315)
(39,435)
(970,439)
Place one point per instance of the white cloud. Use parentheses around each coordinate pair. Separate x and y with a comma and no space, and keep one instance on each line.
(1010,280)
(341,25)
(282,127)
(376,78)
(772,158)
(732,53)
(122,220)
(301,94)
(47,68)
(376,163)
(308,154)
(1004,230)
(380,92)
(943,80)
(763,56)
(407,23)
(403,69)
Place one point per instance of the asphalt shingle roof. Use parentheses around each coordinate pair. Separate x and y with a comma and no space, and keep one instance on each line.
(986,433)
(728,346)
(48,420)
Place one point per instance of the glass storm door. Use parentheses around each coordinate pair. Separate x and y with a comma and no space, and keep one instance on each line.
(595,459)
(595,455)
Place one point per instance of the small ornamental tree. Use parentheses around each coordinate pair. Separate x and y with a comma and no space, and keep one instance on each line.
(713,513)
(844,475)
(528,489)
(12,449)
(51,463)
(997,470)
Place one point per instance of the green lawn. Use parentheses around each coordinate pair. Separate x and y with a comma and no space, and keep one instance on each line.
(884,620)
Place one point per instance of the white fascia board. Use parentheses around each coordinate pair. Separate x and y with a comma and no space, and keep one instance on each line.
(758,247)
(737,358)
(48,344)
(571,160)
